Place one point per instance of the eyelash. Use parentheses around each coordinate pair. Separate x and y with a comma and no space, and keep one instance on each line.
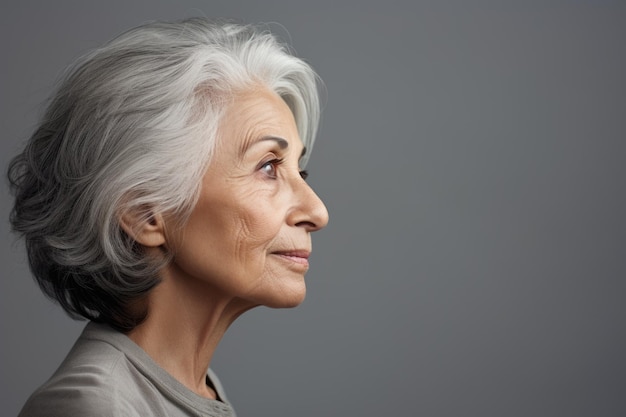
(304,174)
(273,163)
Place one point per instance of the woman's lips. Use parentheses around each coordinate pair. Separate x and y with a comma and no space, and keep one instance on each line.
(300,257)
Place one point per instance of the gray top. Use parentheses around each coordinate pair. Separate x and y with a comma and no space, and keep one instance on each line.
(106,374)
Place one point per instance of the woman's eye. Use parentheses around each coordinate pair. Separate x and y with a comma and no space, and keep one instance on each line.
(304,174)
(269,168)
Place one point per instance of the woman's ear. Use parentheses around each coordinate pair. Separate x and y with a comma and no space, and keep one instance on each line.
(144,227)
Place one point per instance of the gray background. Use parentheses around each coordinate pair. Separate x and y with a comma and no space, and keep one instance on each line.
(473,159)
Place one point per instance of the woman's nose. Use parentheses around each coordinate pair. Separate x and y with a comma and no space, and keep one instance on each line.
(309,210)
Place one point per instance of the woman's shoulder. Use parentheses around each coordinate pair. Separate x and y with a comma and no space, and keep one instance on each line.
(95,379)
(81,389)
(76,394)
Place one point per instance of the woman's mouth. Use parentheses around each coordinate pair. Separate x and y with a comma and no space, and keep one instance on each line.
(300,257)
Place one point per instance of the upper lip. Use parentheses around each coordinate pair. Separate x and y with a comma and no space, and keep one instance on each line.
(299,253)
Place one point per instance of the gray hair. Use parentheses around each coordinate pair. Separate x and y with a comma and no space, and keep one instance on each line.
(132,127)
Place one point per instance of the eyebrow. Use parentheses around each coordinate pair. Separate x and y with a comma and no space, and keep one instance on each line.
(282,143)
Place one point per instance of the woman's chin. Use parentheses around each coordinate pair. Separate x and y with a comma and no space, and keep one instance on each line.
(287,297)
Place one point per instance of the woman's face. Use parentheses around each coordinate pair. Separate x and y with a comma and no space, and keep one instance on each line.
(249,236)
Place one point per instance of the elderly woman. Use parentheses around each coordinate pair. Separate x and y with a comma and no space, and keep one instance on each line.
(161,196)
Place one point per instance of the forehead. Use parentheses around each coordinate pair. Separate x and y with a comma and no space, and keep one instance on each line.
(257,113)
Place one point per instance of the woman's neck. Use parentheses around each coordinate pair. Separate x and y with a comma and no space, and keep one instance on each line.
(185,323)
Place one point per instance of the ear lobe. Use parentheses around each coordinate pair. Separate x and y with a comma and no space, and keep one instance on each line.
(146,228)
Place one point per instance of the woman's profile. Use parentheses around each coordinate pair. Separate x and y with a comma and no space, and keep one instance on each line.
(161,196)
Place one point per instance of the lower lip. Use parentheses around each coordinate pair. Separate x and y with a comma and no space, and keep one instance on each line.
(295,259)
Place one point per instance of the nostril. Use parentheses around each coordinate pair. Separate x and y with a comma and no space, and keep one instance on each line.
(307,224)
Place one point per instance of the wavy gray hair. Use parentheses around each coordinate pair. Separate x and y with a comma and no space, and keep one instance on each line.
(132,128)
